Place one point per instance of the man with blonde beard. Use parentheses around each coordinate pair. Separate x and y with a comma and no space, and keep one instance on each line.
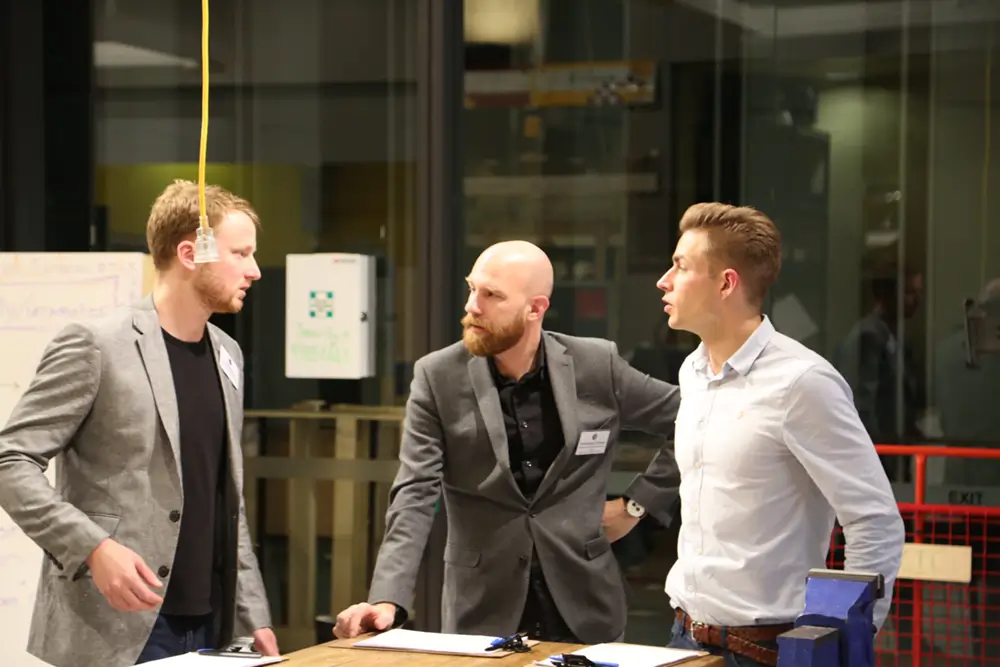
(518,427)
(147,552)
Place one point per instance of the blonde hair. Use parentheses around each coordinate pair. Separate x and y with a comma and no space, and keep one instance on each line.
(175,216)
(742,238)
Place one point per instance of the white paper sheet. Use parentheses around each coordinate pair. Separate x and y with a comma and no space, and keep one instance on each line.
(429,642)
(632,655)
(200,660)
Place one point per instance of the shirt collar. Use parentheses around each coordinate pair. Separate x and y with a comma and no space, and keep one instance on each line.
(538,369)
(743,360)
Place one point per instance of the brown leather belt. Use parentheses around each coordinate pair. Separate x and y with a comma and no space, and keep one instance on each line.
(743,640)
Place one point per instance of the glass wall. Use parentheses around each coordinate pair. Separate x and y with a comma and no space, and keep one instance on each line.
(863,128)
(589,126)
(868,137)
(313,120)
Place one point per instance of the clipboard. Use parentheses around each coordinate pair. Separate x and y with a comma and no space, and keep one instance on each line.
(414,641)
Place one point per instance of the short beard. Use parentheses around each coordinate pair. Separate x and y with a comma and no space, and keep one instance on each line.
(212,293)
(490,342)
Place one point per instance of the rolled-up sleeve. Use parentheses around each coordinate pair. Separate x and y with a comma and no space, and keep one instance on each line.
(824,432)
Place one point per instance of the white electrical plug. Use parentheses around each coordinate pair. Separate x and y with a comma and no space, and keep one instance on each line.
(205,249)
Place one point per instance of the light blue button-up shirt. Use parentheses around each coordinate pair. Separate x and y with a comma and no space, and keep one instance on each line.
(771,450)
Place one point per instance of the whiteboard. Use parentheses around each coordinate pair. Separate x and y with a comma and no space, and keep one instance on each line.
(39,294)
(330,316)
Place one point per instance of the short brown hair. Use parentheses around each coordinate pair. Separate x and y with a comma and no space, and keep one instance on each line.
(742,238)
(175,216)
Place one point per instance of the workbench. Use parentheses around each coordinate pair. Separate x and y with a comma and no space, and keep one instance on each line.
(338,653)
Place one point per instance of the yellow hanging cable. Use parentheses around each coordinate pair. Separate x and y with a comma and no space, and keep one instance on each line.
(202,209)
(205,249)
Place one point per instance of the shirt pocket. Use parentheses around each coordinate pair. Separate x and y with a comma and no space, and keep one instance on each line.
(743,444)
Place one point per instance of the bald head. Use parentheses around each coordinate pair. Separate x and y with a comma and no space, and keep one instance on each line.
(509,289)
(521,264)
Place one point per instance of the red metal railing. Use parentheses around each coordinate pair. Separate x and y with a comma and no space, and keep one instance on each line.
(941,623)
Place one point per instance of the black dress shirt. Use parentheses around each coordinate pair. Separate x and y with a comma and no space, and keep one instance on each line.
(534,439)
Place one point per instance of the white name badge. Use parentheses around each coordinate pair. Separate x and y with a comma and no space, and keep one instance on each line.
(592,442)
(229,367)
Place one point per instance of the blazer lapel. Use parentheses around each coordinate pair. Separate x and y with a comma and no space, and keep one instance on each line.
(153,350)
(229,392)
(562,379)
(489,408)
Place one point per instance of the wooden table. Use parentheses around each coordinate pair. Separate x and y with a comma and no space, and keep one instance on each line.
(338,653)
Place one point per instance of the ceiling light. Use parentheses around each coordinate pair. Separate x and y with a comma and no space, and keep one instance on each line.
(501,21)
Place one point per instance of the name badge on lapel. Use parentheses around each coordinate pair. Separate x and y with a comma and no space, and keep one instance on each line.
(592,442)
(229,367)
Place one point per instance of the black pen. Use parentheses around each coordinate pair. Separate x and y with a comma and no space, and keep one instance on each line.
(507,642)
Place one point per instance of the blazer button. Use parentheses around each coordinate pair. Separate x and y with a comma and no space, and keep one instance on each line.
(163,571)
(175,516)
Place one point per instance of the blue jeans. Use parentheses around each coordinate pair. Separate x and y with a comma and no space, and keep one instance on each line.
(176,635)
(683,640)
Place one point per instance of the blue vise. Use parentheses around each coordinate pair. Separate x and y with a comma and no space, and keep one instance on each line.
(837,627)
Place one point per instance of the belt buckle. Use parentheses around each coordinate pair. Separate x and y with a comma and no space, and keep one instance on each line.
(695,627)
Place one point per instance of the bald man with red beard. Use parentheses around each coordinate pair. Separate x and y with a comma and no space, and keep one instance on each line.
(516,428)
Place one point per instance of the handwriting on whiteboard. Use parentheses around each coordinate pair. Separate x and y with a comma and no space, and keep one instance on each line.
(43,303)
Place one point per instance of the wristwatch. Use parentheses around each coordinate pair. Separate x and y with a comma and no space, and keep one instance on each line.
(634,509)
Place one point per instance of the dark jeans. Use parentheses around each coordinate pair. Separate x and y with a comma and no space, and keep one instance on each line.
(681,639)
(176,635)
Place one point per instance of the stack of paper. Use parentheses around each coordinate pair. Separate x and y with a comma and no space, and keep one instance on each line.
(434,642)
(631,655)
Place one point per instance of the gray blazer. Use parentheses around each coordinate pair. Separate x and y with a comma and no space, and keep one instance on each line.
(454,441)
(103,402)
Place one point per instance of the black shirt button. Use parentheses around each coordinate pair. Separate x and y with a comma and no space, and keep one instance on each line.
(175,516)
(163,571)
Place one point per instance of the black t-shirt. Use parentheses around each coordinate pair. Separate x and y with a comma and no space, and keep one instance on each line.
(203,434)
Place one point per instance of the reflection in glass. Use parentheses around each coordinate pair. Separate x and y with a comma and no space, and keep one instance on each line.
(866,135)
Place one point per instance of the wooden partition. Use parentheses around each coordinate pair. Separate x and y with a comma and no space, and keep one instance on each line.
(327,474)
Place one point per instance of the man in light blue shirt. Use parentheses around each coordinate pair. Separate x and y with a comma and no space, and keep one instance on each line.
(770,448)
